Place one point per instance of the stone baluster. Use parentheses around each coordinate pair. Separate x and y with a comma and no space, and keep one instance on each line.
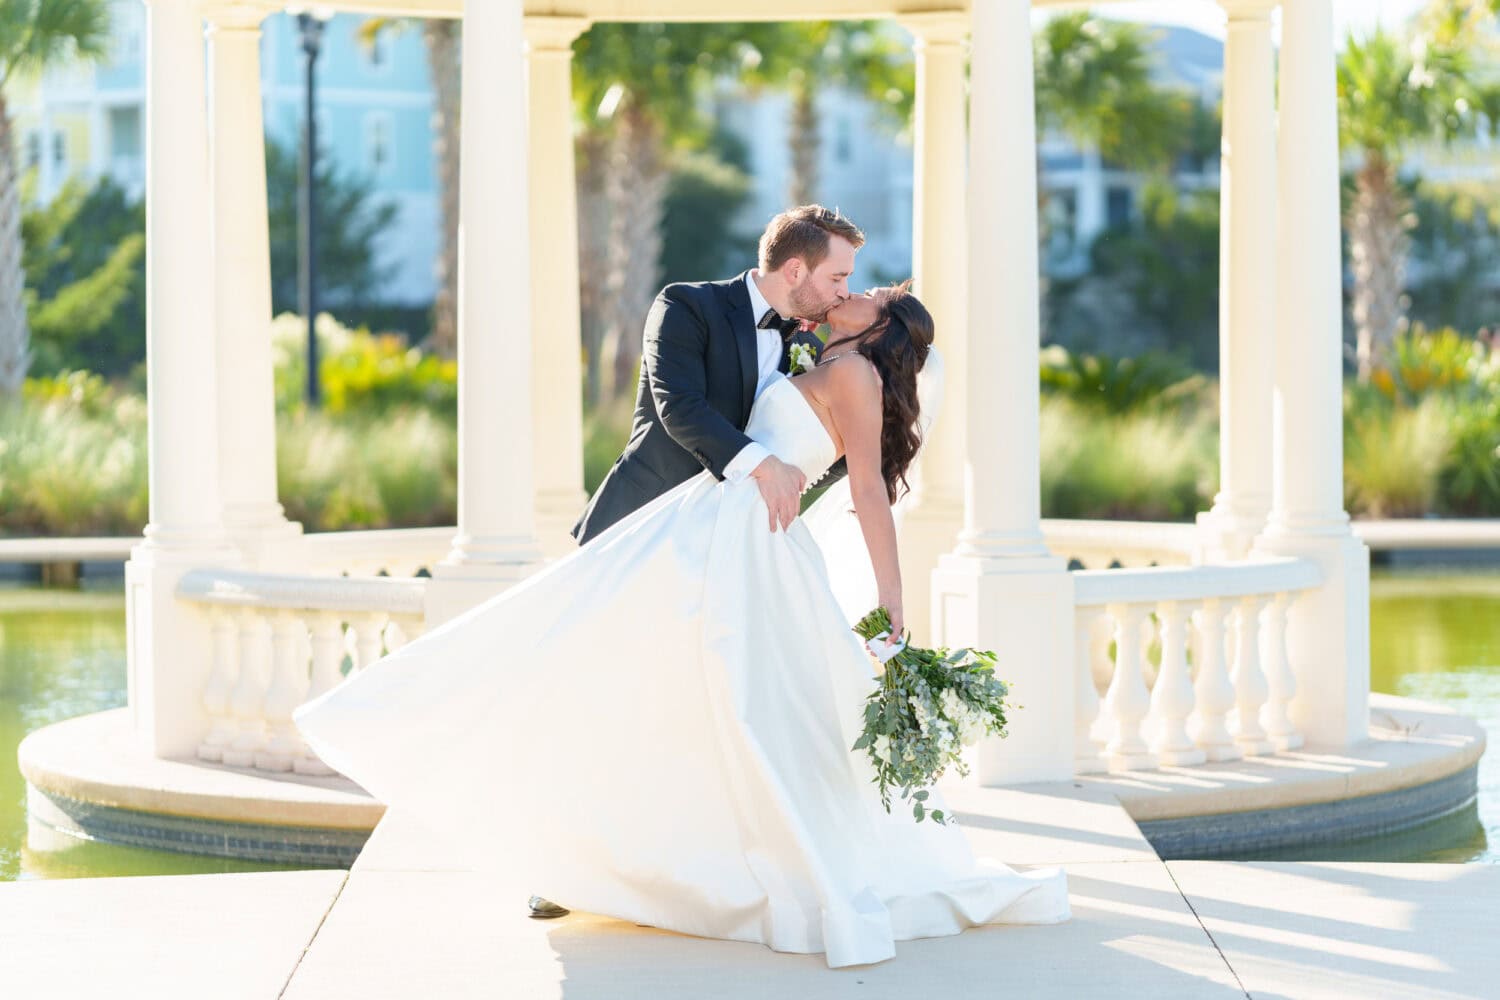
(1250,689)
(1172,695)
(1089,746)
(327,643)
(1213,693)
(247,701)
(1127,701)
(220,687)
(289,681)
(1280,681)
(1148,636)
(368,644)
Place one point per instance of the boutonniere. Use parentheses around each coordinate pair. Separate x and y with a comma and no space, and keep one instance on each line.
(801,358)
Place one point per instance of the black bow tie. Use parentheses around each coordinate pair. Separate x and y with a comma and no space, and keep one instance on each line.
(772,321)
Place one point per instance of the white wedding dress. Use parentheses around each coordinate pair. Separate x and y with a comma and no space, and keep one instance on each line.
(657,728)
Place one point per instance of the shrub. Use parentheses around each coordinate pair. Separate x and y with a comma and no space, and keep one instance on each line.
(1146,466)
(72,466)
(1393,457)
(358,370)
(1443,362)
(1117,385)
(399,469)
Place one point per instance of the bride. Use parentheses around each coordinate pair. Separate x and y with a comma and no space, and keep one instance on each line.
(657,727)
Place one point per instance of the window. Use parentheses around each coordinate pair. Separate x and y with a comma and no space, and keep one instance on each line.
(1118,206)
(377,53)
(33,149)
(59,149)
(379,143)
(125,133)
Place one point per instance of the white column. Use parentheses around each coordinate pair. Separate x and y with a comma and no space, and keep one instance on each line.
(939,263)
(1328,629)
(1000,588)
(496,543)
(170,651)
(557,370)
(1247,283)
(242,285)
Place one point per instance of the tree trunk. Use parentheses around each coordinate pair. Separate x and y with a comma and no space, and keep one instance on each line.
(805,139)
(443,59)
(636,189)
(1378,224)
(593,259)
(15,336)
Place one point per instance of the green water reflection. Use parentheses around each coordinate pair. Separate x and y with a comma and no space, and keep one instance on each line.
(62,653)
(1436,637)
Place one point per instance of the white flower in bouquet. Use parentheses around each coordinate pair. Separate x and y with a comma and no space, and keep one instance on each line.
(929,703)
(801,357)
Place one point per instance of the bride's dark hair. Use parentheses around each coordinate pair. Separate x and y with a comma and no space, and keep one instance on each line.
(896,344)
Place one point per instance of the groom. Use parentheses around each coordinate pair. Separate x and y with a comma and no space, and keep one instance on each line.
(707,347)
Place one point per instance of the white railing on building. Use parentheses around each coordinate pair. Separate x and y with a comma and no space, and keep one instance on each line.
(281,640)
(1199,670)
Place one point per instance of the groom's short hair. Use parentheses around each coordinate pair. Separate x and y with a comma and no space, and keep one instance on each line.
(804,232)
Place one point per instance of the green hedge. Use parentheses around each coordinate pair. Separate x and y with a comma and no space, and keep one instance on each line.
(1127,440)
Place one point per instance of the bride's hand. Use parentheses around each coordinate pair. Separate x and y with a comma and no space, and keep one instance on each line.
(898,622)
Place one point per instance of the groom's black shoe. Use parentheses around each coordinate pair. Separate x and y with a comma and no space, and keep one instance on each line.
(545,909)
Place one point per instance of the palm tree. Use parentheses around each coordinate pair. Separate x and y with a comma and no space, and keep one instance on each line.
(443,39)
(1393,94)
(1095,84)
(34,36)
(639,89)
(808,58)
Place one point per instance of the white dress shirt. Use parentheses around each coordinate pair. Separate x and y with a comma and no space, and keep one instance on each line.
(769,346)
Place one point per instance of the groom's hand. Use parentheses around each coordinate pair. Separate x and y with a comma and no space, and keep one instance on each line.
(781,487)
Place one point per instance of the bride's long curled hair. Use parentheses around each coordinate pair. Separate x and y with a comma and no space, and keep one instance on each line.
(896,344)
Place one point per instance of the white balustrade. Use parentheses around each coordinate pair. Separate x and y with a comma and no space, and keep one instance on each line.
(396,552)
(1127,701)
(1250,688)
(282,640)
(1213,694)
(1223,685)
(1104,544)
(1091,641)
(1280,681)
(220,686)
(1172,694)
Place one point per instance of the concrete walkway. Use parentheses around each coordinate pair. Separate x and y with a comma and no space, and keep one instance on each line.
(402,925)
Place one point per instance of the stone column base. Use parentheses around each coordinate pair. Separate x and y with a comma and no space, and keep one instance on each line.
(1022,609)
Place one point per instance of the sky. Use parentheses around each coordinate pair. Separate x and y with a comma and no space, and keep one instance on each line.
(1348,15)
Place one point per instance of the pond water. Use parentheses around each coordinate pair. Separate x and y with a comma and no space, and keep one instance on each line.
(62,653)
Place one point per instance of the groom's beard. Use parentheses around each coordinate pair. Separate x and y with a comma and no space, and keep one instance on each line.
(807,305)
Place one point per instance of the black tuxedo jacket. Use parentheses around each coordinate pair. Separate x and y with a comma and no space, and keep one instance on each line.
(699,368)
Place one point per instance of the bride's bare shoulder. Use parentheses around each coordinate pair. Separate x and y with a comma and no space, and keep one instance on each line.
(852,370)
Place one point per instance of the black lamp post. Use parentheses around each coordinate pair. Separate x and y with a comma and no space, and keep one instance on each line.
(311,24)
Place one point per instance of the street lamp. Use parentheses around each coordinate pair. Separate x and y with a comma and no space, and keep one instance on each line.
(311,22)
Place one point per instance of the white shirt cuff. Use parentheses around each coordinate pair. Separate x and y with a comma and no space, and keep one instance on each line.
(745,462)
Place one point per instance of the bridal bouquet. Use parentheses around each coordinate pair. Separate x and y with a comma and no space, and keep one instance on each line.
(930,703)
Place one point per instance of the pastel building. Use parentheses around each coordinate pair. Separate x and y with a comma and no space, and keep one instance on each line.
(374,107)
